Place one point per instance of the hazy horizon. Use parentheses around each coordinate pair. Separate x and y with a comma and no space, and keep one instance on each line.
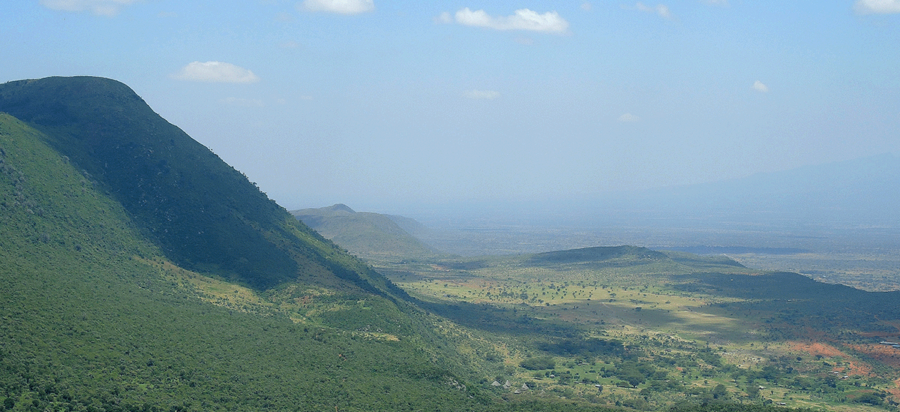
(384,105)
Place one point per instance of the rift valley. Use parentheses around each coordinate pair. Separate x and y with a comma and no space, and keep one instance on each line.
(140,272)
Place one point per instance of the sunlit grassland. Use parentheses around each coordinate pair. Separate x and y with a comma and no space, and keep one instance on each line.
(641,302)
(351,315)
(304,304)
(637,297)
(211,289)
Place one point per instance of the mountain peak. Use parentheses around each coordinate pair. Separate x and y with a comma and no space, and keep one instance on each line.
(202,213)
(340,207)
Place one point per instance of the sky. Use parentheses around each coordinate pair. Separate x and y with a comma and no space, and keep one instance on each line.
(391,105)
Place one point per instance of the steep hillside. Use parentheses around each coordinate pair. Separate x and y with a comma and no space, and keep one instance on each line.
(369,235)
(109,304)
(99,311)
(95,318)
(202,213)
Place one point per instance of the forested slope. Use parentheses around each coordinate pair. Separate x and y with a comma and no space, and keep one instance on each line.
(98,312)
(93,318)
(139,272)
(202,213)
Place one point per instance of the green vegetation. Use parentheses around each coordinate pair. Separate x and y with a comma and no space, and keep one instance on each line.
(202,213)
(94,317)
(649,330)
(102,310)
(540,363)
(141,273)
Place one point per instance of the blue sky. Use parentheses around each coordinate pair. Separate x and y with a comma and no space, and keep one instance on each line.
(385,105)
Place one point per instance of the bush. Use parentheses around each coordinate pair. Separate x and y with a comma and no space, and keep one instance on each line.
(540,363)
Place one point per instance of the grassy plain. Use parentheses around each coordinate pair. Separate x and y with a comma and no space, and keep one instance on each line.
(866,258)
(633,327)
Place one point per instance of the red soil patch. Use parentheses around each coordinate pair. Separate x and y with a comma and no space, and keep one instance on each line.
(854,367)
(817,348)
(882,353)
(895,392)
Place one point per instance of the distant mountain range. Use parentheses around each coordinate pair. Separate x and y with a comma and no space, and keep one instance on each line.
(858,193)
(852,193)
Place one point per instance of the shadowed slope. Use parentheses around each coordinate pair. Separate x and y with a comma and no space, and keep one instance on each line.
(203,214)
(92,317)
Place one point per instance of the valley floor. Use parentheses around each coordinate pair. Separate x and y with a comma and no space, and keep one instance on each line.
(649,330)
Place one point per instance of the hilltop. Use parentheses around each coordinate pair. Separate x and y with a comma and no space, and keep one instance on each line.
(365,234)
(202,213)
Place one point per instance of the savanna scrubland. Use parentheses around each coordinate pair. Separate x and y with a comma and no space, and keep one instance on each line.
(142,273)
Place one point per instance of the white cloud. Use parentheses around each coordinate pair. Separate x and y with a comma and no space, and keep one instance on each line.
(215,72)
(481,94)
(340,6)
(100,7)
(628,118)
(760,87)
(586,6)
(877,6)
(444,18)
(523,19)
(237,101)
(660,9)
(663,11)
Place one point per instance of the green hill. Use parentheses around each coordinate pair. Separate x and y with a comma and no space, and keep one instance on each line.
(368,235)
(98,311)
(139,272)
(202,213)
(598,254)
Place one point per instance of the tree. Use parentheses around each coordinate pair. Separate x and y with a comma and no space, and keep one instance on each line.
(719,392)
(539,363)
(752,391)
